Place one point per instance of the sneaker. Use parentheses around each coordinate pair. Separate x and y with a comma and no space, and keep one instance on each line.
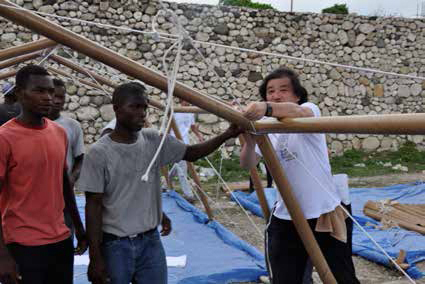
(265,279)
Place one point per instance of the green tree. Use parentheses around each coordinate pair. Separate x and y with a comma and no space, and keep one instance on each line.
(246,3)
(336,9)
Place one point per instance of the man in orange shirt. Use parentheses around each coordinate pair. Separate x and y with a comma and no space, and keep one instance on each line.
(35,243)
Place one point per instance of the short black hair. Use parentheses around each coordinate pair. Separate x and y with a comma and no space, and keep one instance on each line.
(25,73)
(126,90)
(284,72)
(58,83)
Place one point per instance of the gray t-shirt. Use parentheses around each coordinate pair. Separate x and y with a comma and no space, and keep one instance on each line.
(130,206)
(75,137)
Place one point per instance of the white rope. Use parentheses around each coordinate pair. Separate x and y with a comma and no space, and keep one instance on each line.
(350,216)
(161,35)
(236,199)
(169,109)
(105,93)
(211,200)
(113,73)
(157,35)
(371,70)
(38,63)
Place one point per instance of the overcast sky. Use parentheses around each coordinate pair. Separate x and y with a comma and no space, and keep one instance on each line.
(404,8)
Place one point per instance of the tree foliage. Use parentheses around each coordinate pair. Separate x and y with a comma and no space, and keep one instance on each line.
(336,9)
(246,3)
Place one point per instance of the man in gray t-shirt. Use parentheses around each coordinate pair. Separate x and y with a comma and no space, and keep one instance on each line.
(122,210)
(74,133)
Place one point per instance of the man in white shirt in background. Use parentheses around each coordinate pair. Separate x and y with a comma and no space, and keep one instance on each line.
(185,122)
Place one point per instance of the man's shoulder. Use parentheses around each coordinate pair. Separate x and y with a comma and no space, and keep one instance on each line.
(54,126)
(149,133)
(99,148)
(68,121)
(314,108)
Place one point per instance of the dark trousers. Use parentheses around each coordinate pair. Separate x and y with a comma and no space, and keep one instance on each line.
(46,264)
(308,279)
(287,257)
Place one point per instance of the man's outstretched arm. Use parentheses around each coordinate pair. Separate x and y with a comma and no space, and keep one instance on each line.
(197,151)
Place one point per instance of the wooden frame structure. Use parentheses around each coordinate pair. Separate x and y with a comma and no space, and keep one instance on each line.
(384,124)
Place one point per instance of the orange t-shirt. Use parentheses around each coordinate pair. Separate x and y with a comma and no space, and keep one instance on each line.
(32,161)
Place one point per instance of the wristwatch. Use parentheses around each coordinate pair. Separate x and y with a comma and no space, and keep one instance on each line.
(269,110)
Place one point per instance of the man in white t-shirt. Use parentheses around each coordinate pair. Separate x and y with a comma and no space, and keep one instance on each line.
(185,123)
(74,133)
(304,157)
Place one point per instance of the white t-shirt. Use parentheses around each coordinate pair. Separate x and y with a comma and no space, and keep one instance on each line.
(184,121)
(305,161)
(111,125)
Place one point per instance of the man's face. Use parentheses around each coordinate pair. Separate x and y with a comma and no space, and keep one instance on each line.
(37,96)
(132,113)
(58,100)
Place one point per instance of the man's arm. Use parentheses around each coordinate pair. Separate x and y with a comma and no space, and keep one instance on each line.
(200,150)
(97,269)
(248,159)
(8,274)
(165,225)
(257,110)
(76,169)
(195,129)
(71,206)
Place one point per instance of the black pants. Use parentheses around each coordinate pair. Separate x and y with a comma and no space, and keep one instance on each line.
(46,264)
(287,257)
(308,278)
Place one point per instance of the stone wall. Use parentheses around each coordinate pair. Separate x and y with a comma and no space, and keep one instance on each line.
(389,44)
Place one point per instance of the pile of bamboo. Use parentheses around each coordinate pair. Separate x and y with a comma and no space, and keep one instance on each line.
(407,216)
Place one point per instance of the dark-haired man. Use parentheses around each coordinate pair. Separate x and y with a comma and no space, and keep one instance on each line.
(10,108)
(34,189)
(74,133)
(123,211)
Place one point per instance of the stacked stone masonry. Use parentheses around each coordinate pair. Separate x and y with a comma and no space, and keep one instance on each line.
(388,44)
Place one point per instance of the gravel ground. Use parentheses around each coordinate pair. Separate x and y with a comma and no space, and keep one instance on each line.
(230,215)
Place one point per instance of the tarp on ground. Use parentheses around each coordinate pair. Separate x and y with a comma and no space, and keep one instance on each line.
(392,240)
(214,254)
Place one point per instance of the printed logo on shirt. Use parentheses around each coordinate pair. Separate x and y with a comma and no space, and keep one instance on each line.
(284,153)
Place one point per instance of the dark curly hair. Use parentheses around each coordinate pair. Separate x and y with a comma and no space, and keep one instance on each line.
(283,72)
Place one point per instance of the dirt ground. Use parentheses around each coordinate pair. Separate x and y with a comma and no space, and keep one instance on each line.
(230,215)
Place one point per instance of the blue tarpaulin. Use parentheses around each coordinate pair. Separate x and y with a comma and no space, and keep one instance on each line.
(392,240)
(214,254)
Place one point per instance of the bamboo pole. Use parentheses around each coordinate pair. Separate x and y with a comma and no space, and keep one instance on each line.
(119,62)
(193,173)
(85,82)
(26,47)
(19,59)
(412,123)
(303,229)
(7,74)
(133,69)
(258,186)
(68,63)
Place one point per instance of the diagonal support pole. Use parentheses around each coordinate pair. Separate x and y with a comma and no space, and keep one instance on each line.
(258,186)
(8,74)
(26,47)
(19,59)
